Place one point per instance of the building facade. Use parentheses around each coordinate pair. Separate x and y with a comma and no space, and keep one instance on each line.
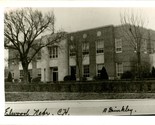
(50,64)
(86,52)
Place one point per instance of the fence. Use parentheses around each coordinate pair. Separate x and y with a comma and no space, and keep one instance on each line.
(99,87)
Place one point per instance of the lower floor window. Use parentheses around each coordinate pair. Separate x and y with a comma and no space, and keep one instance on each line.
(86,71)
(21,73)
(119,69)
(99,68)
(39,72)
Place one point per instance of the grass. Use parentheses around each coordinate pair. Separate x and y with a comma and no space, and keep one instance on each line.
(49,96)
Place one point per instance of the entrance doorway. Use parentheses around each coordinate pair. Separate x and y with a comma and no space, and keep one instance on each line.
(54,74)
(73,72)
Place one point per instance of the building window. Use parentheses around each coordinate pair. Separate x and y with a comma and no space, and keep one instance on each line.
(119,69)
(72,38)
(86,71)
(21,73)
(53,52)
(39,55)
(100,46)
(85,48)
(145,46)
(84,36)
(99,68)
(39,72)
(99,33)
(54,73)
(118,45)
(13,75)
(72,51)
(153,47)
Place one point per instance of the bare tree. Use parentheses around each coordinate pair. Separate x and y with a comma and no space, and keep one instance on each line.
(134,32)
(78,52)
(21,29)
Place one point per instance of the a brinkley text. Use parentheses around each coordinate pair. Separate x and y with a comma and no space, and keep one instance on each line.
(115,109)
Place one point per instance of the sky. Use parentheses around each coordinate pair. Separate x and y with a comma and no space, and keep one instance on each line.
(75,19)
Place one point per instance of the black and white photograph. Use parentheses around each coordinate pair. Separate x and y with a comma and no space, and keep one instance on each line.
(79,61)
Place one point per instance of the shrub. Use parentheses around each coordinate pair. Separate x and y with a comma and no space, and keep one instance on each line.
(9,77)
(104,74)
(37,79)
(69,78)
(16,80)
(127,75)
(145,75)
(96,78)
(153,72)
(84,79)
(6,80)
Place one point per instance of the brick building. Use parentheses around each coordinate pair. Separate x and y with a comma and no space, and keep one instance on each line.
(107,46)
(89,50)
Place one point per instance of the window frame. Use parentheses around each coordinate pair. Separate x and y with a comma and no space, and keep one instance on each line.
(85,48)
(72,51)
(119,70)
(21,73)
(99,50)
(117,46)
(86,72)
(53,52)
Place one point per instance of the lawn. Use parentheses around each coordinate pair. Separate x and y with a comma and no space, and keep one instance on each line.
(49,96)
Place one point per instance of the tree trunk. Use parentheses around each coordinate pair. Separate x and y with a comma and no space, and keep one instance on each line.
(79,71)
(80,74)
(25,73)
(139,64)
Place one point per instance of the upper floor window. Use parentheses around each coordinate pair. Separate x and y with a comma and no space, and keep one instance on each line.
(118,45)
(100,46)
(119,69)
(72,51)
(145,46)
(86,71)
(99,33)
(84,36)
(53,52)
(85,48)
(71,38)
